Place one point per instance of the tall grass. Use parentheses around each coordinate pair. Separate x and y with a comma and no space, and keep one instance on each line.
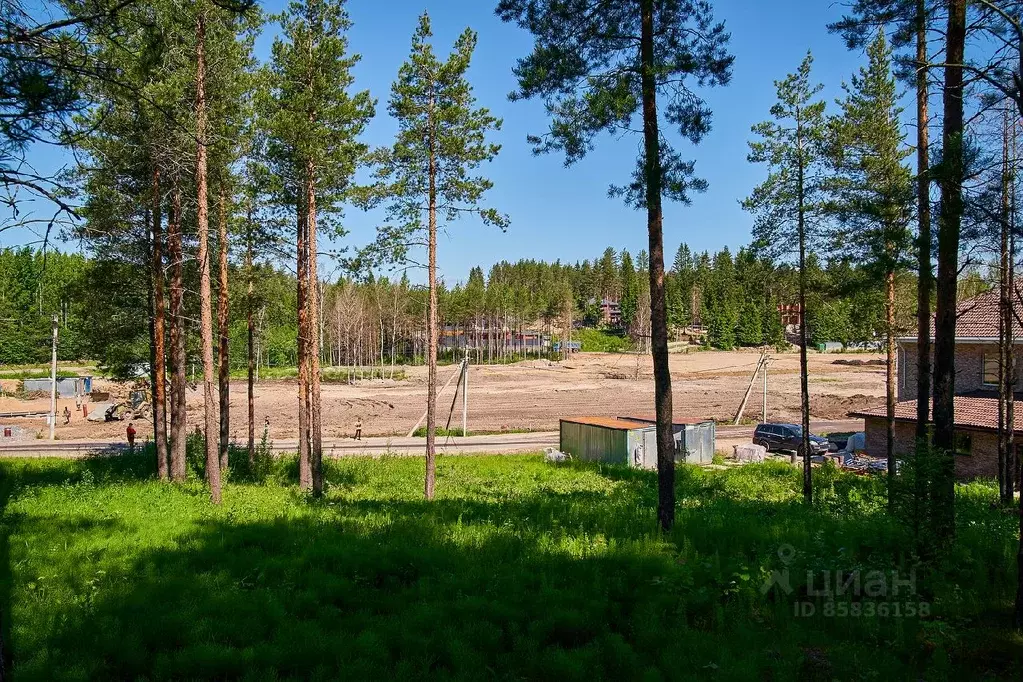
(518,570)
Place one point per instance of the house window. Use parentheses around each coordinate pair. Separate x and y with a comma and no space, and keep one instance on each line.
(962,443)
(990,377)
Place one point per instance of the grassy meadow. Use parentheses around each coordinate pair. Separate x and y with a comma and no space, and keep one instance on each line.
(519,570)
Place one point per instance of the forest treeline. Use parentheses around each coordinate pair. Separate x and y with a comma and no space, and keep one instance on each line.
(380,320)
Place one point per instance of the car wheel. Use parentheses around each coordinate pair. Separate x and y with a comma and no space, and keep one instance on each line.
(763,443)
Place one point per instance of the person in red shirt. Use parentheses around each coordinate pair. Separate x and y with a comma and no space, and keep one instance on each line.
(131,437)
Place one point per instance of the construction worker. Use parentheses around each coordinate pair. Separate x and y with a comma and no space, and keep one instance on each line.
(131,437)
(358,428)
(67,415)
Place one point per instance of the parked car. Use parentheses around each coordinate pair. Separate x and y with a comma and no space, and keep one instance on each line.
(787,437)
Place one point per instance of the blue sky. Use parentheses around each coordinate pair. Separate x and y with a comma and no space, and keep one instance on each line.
(564,213)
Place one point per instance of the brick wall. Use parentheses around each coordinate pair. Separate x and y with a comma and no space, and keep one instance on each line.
(969,369)
(981,463)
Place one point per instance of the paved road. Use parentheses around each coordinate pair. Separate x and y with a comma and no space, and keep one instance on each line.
(506,443)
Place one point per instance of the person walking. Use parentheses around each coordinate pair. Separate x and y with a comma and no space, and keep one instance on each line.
(67,415)
(131,437)
(358,428)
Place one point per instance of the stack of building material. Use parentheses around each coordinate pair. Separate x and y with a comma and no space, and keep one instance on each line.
(750,452)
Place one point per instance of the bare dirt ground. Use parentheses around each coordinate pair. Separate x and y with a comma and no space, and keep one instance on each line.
(529,395)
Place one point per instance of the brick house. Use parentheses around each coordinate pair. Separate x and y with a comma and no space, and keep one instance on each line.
(976,389)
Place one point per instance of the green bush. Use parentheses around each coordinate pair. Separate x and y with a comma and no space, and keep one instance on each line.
(601,341)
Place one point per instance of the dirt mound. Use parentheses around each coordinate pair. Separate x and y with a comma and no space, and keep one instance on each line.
(839,406)
(856,362)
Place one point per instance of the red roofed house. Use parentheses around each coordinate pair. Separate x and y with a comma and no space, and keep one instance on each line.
(976,388)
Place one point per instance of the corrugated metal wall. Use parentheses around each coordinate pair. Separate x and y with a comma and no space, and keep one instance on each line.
(637,447)
(595,443)
(67,387)
(698,442)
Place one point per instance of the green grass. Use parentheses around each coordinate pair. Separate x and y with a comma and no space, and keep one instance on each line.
(518,570)
(601,341)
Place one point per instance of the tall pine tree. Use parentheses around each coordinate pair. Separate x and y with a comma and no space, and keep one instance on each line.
(314,122)
(874,194)
(789,203)
(429,173)
(598,64)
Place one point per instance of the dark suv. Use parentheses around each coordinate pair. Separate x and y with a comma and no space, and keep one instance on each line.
(787,437)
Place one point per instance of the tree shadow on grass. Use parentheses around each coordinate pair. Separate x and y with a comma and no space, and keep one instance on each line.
(572,584)
(304,599)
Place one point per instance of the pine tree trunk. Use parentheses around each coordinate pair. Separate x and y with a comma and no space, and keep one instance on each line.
(159,359)
(804,388)
(179,360)
(950,183)
(250,344)
(205,292)
(925,274)
(225,335)
(889,329)
(658,306)
(1006,387)
(431,325)
(305,474)
(315,421)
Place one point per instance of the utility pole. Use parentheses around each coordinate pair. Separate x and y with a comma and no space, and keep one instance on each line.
(767,361)
(53,383)
(465,396)
(749,389)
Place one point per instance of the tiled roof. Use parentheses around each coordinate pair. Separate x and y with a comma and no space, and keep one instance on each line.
(607,423)
(976,413)
(977,317)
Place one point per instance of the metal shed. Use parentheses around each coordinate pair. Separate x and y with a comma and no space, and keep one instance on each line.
(695,441)
(606,439)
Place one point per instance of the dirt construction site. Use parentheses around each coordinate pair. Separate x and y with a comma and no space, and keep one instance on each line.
(526,396)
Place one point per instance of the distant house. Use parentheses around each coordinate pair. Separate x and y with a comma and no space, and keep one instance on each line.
(976,388)
(455,338)
(791,317)
(610,312)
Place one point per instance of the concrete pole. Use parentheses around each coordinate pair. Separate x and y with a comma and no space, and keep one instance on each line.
(53,383)
(766,362)
(465,397)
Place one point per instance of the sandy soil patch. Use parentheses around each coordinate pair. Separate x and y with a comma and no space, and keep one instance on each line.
(531,395)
